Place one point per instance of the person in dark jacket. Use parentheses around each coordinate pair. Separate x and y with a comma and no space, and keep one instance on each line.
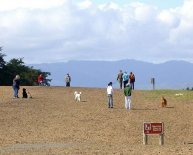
(132,80)
(16,86)
(68,80)
(120,78)
(127,93)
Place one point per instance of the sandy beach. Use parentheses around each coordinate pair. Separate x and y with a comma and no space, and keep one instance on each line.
(51,122)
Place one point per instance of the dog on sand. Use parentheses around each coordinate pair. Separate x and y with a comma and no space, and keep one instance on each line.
(24,93)
(180,94)
(163,102)
(77,96)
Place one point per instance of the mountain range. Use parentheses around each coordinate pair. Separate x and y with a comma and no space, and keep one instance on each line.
(168,75)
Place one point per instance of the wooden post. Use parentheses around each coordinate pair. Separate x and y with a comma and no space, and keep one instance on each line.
(145,139)
(161,139)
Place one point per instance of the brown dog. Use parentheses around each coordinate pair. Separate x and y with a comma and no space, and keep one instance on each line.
(163,102)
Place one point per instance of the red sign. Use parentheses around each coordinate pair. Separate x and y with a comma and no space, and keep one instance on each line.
(153,128)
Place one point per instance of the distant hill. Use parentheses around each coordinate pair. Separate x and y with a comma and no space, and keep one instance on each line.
(168,75)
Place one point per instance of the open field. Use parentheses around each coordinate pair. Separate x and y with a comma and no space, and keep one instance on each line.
(53,123)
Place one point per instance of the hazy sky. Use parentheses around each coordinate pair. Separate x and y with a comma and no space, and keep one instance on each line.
(44,31)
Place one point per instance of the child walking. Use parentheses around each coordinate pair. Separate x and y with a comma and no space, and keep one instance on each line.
(110,95)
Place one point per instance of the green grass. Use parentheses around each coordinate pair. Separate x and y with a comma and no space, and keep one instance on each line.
(153,95)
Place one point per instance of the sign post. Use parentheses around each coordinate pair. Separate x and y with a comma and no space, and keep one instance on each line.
(152,129)
(153,83)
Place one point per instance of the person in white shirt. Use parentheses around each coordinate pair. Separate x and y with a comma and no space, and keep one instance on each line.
(110,95)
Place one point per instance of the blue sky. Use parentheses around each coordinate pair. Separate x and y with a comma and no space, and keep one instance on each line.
(162,4)
(47,31)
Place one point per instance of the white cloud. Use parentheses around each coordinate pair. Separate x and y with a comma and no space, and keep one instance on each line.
(169,18)
(60,30)
(7,5)
(85,4)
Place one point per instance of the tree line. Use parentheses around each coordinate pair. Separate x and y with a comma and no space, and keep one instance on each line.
(8,70)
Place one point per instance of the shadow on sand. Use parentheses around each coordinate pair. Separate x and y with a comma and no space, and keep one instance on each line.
(83,101)
(190,143)
(169,107)
(145,109)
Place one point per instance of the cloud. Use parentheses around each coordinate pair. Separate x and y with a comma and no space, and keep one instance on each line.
(62,30)
(8,5)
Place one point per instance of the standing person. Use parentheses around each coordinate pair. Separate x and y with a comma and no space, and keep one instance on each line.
(127,93)
(67,80)
(110,95)
(132,80)
(16,86)
(40,80)
(120,78)
(125,78)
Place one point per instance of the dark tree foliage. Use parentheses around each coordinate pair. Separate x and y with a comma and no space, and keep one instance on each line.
(16,66)
(2,66)
(2,61)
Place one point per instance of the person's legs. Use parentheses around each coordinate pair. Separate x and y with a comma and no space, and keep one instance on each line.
(67,84)
(125,82)
(111,101)
(132,85)
(41,83)
(121,84)
(126,102)
(15,92)
(129,102)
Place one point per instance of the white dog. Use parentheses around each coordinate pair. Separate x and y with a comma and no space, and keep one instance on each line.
(180,94)
(77,96)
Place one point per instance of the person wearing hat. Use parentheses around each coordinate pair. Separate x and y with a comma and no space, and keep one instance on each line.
(127,93)
(110,95)
(16,86)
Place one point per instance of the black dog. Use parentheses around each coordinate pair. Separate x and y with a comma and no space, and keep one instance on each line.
(24,93)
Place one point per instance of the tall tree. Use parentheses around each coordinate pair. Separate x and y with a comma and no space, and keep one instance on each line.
(8,70)
(2,61)
(2,66)
(28,74)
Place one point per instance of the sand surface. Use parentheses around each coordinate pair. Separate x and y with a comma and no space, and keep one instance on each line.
(53,123)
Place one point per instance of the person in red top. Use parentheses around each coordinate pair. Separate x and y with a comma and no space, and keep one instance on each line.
(132,80)
(40,80)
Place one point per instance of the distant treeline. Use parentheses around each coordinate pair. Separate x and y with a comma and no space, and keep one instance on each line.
(8,70)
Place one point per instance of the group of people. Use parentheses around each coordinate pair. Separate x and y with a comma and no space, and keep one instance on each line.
(127,94)
(124,78)
(128,82)
(40,80)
